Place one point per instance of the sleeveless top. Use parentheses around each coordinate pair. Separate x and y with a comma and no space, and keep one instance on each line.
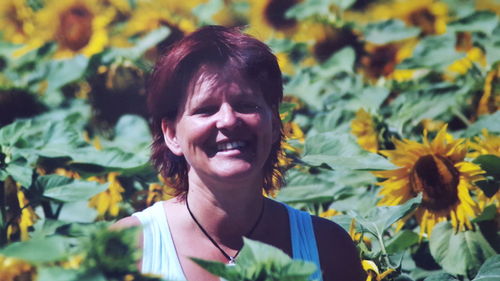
(159,255)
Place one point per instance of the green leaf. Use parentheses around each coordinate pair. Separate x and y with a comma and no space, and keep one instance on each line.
(314,193)
(341,61)
(55,273)
(309,8)
(38,251)
(460,252)
(433,52)
(370,98)
(287,108)
(388,31)
(441,277)
(489,122)
(218,269)
(402,241)
(140,46)
(68,190)
(490,270)
(10,134)
(20,172)
(489,163)
(381,218)
(112,158)
(259,261)
(480,21)
(489,213)
(205,11)
(340,151)
(60,73)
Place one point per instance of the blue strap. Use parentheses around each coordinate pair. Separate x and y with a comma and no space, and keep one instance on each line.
(304,245)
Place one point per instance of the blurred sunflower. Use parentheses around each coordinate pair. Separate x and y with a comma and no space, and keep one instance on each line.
(490,5)
(325,39)
(16,21)
(438,170)
(363,127)
(159,191)
(267,19)
(18,103)
(108,201)
(490,100)
(372,271)
(329,213)
(463,65)
(121,81)
(152,14)
(78,26)
(485,144)
(20,214)
(13,269)
(430,15)
(381,60)
(432,125)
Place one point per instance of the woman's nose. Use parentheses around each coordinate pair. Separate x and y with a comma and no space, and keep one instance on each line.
(227,117)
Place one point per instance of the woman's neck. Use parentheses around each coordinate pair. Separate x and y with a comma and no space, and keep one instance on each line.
(226,212)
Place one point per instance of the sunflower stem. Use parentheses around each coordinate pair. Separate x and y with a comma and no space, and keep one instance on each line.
(462,117)
(384,252)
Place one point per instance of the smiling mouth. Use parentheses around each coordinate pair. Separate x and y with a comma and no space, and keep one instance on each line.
(231,145)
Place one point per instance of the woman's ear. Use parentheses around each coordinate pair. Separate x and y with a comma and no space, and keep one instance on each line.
(170,137)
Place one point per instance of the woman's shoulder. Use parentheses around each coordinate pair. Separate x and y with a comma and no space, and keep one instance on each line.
(338,254)
(126,222)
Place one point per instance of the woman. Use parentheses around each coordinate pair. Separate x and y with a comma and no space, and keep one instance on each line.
(214,99)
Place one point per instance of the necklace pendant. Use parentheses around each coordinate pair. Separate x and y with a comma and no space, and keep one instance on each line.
(232,261)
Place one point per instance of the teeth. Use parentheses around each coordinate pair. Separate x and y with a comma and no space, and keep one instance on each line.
(230,145)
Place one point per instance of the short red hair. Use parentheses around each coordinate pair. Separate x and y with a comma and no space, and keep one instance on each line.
(180,66)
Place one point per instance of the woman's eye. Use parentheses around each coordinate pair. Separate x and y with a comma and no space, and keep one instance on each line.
(247,107)
(206,110)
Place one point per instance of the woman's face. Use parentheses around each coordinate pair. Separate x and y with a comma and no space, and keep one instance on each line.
(224,129)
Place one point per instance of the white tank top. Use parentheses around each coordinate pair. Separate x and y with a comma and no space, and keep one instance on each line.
(159,255)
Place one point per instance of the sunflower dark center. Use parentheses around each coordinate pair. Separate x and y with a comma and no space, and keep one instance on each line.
(275,14)
(75,27)
(437,178)
(381,61)
(14,18)
(424,19)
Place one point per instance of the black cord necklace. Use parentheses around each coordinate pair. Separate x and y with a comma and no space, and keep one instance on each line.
(231,259)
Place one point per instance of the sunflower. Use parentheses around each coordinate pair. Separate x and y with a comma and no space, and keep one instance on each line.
(78,26)
(463,65)
(373,272)
(20,213)
(16,21)
(490,5)
(490,100)
(267,19)
(430,15)
(12,269)
(363,127)
(152,14)
(438,170)
(159,191)
(107,202)
(381,60)
(486,145)
(329,213)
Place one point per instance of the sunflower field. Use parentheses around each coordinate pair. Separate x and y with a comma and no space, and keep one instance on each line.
(391,117)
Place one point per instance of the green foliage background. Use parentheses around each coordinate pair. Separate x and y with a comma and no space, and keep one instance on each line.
(68,123)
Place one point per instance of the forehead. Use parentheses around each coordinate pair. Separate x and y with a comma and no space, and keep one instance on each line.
(211,83)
